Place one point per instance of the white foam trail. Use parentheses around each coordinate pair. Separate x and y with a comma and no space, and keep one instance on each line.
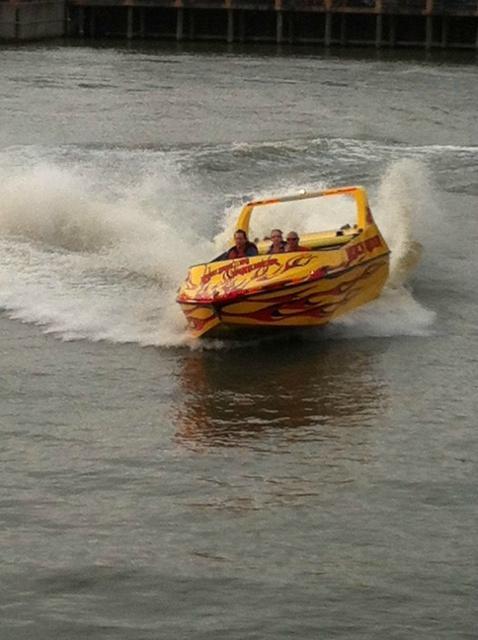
(87,262)
(394,313)
(85,265)
(57,208)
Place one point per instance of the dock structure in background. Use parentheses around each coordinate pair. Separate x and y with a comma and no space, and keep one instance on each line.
(378,23)
(32,19)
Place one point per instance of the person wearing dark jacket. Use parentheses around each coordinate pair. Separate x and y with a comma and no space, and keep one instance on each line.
(242,248)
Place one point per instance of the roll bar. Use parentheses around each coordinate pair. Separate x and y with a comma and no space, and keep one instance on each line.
(364,215)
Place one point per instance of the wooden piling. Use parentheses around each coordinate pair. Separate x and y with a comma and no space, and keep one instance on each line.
(142,22)
(328,29)
(230,25)
(290,20)
(129,23)
(81,22)
(378,30)
(179,24)
(343,29)
(92,31)
(242,26)
(444,32)
(429,32)
(393,31)
(279,27)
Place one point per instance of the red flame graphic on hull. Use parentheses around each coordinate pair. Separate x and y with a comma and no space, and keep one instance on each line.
(310,300)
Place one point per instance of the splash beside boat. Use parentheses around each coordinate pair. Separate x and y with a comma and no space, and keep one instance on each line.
(342,269)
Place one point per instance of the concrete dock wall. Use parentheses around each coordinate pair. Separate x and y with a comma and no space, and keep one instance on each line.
(32,20)
(7,21)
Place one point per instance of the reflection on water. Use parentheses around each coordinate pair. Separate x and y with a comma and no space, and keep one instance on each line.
(272,395)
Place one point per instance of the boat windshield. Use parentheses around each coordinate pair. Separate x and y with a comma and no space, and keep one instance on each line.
(304,216)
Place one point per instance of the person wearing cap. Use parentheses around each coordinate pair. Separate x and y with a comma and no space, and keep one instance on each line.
(293,242)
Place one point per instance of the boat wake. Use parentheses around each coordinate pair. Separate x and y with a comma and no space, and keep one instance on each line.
(86,262)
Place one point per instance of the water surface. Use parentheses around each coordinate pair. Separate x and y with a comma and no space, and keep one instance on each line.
(312,486)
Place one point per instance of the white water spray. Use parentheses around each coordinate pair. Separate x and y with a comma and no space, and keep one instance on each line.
(83,262)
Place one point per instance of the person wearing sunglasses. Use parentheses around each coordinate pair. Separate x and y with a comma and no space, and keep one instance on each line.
(278,242)
(293,242)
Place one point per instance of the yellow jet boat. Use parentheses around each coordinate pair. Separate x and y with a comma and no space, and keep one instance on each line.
(342,269)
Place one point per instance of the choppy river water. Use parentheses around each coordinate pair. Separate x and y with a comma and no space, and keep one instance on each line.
(322,486)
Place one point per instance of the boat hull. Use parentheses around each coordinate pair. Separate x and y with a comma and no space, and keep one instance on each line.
(307,304)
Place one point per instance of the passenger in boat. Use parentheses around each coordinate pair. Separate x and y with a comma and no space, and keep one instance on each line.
(278,242)
(293,242)
(242,248)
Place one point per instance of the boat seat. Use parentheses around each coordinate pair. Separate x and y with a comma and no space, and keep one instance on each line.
(323,241)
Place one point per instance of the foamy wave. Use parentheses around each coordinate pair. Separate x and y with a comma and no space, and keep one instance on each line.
(50,205)
(87,261)
(395,313)
(405,200)
(85,264)
(57,208)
